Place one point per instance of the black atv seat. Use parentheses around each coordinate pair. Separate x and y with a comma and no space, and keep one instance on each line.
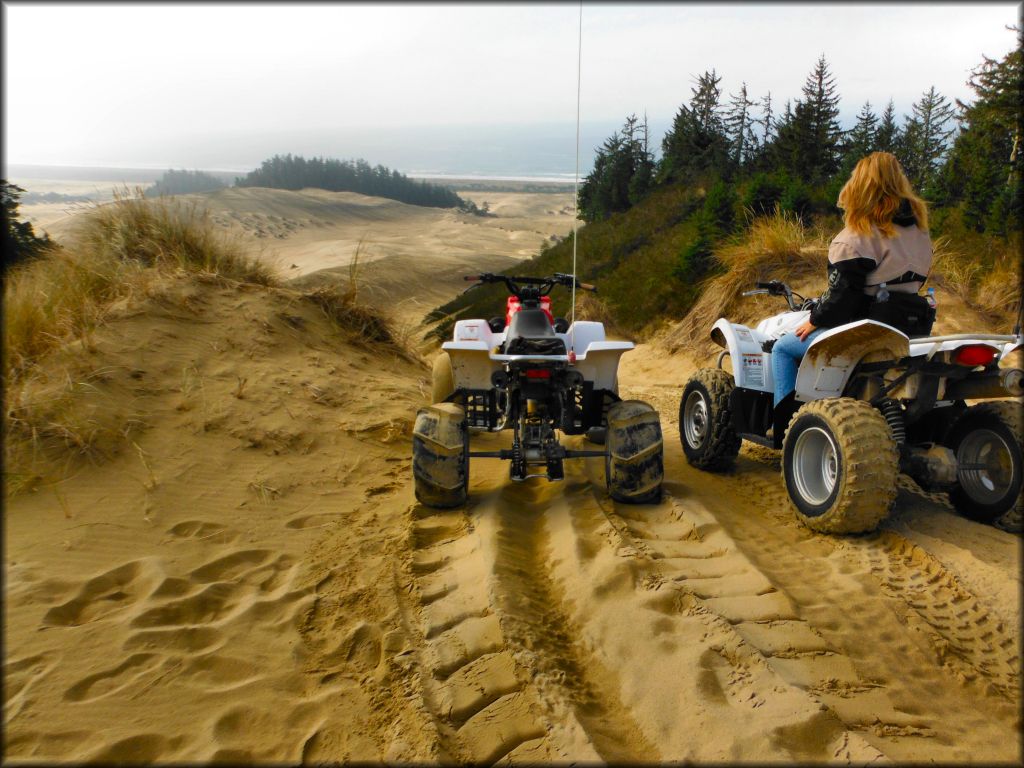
(530,333)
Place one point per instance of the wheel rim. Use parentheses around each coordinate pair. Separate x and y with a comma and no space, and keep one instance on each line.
(985,466)
(815,465)
(695,419)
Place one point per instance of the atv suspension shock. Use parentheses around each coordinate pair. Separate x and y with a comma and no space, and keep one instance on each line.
(894,416)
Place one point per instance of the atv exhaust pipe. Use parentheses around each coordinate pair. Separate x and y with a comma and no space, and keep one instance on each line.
(1008,382)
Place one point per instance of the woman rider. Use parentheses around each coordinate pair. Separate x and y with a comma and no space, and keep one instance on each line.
(876,265)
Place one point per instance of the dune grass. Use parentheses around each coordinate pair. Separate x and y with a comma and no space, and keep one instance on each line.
(984,272)
(362,323)
(58,409)
(775,247)
(117,252)
(114,253)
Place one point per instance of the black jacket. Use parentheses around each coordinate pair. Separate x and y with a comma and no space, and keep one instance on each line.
(844,300)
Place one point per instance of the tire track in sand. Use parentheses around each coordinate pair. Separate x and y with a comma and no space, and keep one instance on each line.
(501,673)
(938,675)
(536,623)
(484,709)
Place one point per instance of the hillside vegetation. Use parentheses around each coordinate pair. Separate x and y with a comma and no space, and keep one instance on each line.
(744,189)
(296,172)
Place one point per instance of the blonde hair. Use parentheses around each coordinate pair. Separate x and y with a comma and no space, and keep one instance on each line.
(873,195)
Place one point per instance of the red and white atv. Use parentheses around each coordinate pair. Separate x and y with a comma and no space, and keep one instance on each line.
(535,375)
(870,403)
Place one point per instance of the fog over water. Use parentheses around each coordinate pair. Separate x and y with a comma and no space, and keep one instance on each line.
(441,89)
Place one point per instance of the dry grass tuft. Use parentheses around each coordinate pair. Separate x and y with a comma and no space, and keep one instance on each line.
(115,252)
(362,323)
(51,421)
(118,251)
(166,233)
(771,247)
(987,276)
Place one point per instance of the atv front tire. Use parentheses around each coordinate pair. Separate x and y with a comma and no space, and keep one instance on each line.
(442,378)
(705,420)
(634,462)
(440,456)
(840,464)
(987,442)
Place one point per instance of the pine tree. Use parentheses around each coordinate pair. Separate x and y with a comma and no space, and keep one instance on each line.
(816,127)
(622,174)
(739,128)
(887,137)
(861,139)
(983,170)
(20,240)
(807,144)
(766,121)
(696,143)
(926,137)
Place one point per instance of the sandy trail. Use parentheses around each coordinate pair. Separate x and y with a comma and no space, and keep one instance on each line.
(253,580)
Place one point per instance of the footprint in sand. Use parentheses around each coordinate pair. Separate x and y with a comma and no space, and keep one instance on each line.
(214,673)
(230,566)
(104,594)
(199,530)
(112,680)
(212,604)
(312,521)
(138,749)
(20,675)
(180,641)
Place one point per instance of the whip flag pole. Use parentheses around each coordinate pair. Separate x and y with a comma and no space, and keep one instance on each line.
(576,188)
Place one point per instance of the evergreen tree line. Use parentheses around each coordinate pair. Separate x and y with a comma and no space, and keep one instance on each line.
(296,172)
(183,182)
(799,156)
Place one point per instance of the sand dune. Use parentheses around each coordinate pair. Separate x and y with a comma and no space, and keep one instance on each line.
(252,580)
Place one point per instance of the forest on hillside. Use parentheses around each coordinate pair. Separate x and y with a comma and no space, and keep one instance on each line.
(296,172)
(734,167)
(798,156)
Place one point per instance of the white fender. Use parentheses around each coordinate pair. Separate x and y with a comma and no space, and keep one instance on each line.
(751,365)
(473,341)
(830,359)
(474,356)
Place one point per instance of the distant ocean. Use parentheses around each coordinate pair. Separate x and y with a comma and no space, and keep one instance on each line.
(543,152)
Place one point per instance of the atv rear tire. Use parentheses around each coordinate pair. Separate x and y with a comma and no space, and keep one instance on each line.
(440,456)
(634,463)
(443,379)
(705,420)
(840,464)
(987,439)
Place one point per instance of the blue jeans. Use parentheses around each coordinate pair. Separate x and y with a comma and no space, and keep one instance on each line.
(786,355)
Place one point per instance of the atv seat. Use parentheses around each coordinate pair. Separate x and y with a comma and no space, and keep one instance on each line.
(530,333)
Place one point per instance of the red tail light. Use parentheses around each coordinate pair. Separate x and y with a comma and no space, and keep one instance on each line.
(538,373)
(975,354)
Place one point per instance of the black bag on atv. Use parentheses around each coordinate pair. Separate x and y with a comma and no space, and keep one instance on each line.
(906,312)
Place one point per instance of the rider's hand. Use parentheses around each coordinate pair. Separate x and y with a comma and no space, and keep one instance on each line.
(804,330)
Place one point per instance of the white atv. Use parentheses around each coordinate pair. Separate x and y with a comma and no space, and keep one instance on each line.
(870,402)
(522,372)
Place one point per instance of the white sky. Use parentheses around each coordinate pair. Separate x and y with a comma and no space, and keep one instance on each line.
(116,84)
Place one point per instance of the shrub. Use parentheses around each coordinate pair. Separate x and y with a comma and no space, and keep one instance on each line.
(762,194)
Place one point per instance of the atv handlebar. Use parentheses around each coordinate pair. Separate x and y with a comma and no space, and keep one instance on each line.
(779,288)
(517,284)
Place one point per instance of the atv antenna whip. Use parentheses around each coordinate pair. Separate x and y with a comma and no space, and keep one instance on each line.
(576,189)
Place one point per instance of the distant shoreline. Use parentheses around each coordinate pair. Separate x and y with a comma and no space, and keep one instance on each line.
(466,182)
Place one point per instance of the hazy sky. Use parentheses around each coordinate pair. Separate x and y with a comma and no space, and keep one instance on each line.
(155,84)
